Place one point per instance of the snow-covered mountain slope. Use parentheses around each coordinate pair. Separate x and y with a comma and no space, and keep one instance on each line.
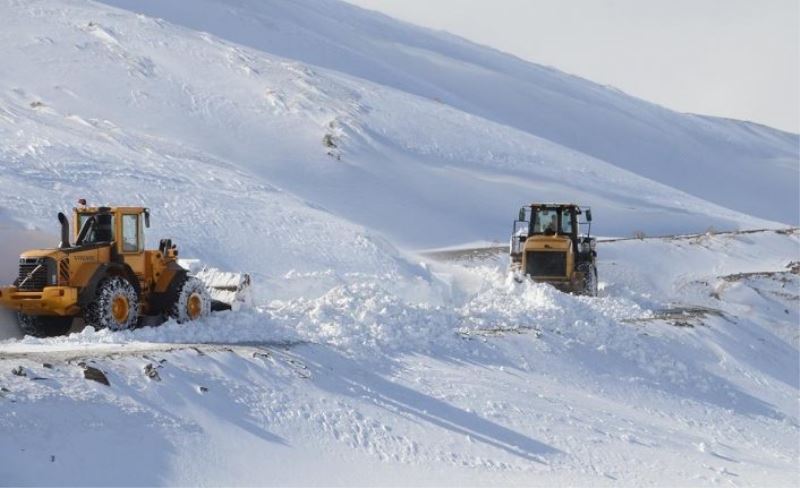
(740,165)
(682,373)
(358,363)
(100,90)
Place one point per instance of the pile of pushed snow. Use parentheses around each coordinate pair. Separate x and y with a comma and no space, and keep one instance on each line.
(366,315)
(362,314)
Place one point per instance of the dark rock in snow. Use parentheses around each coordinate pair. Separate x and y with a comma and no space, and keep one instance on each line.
(94,374)
(152,372)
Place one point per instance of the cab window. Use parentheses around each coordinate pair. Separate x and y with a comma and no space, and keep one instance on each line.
(545,221)
(130,233)
(566,221)
(99,233)
(82,218)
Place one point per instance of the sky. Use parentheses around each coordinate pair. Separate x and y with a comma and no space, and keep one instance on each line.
(730,58)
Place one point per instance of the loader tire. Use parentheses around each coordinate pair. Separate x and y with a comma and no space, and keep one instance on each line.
(115,305)
(43,325)
(589,285)
(191,301)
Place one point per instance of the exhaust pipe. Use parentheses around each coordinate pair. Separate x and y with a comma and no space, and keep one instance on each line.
(64,231)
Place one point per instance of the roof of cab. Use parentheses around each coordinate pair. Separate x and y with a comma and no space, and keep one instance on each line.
(540,204)
(111,209)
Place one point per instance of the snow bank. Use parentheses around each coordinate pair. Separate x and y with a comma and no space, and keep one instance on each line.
(367,314)
(465,370)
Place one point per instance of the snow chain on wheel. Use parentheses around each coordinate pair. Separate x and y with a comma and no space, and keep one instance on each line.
(115,306)
(43,325)
(192,301)
(589,279)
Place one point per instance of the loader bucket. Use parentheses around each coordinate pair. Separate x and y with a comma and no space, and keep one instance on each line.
(228,290)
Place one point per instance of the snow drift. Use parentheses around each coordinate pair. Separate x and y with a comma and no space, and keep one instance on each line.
(670,378)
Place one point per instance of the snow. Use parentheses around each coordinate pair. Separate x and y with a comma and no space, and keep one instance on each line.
(190,109)
(684,151)
(312,145)
(478,376)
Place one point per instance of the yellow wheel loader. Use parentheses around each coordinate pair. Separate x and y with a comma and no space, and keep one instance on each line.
(547,246)
(105,277)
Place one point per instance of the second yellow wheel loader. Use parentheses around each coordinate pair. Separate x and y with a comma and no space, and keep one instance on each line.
(547,246)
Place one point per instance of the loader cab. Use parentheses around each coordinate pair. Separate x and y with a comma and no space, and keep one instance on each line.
(121,227)
(547,222)
(115,235)
(554,221)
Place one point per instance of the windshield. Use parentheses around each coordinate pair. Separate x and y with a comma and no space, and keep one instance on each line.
(552,220)
(102,230)
(545,221)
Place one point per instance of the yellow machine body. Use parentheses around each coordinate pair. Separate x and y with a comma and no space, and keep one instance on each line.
(60,281)
(563,277)
(546,245)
